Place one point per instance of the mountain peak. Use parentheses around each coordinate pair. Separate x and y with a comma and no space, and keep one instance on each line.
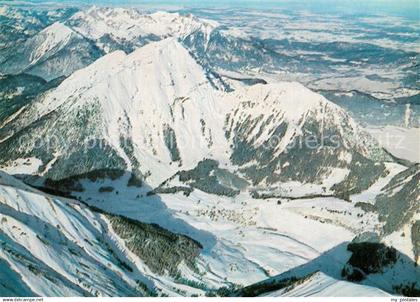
(167,61)
(53,36)
(168,48)
(281,95)
(120,23)
(57,28)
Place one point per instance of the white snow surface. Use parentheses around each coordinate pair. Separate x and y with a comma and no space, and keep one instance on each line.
(244,239)
(321,285)
(401,142)
(129,24)
(246,242)
(59,242)
(153,88)
(54,38)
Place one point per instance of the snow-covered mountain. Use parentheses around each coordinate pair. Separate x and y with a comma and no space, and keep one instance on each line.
(51,247)
(74,43)
(364,260)
(150,86)
(118,28)
(59,247)
(17,24)
(53,52)
(144,172)
(157,112)
(382,73)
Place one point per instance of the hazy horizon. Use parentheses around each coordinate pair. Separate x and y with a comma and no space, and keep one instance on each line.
(407,8)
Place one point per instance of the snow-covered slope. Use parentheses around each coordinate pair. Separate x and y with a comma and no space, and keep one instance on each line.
(19,24)
(131,28)
(55,51)
(271,136)
(401,142)
(398,205)
(157,98)
(321,285)
(58,246)
(54,246)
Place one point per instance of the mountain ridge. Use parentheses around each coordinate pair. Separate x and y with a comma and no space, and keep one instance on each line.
(181,99)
